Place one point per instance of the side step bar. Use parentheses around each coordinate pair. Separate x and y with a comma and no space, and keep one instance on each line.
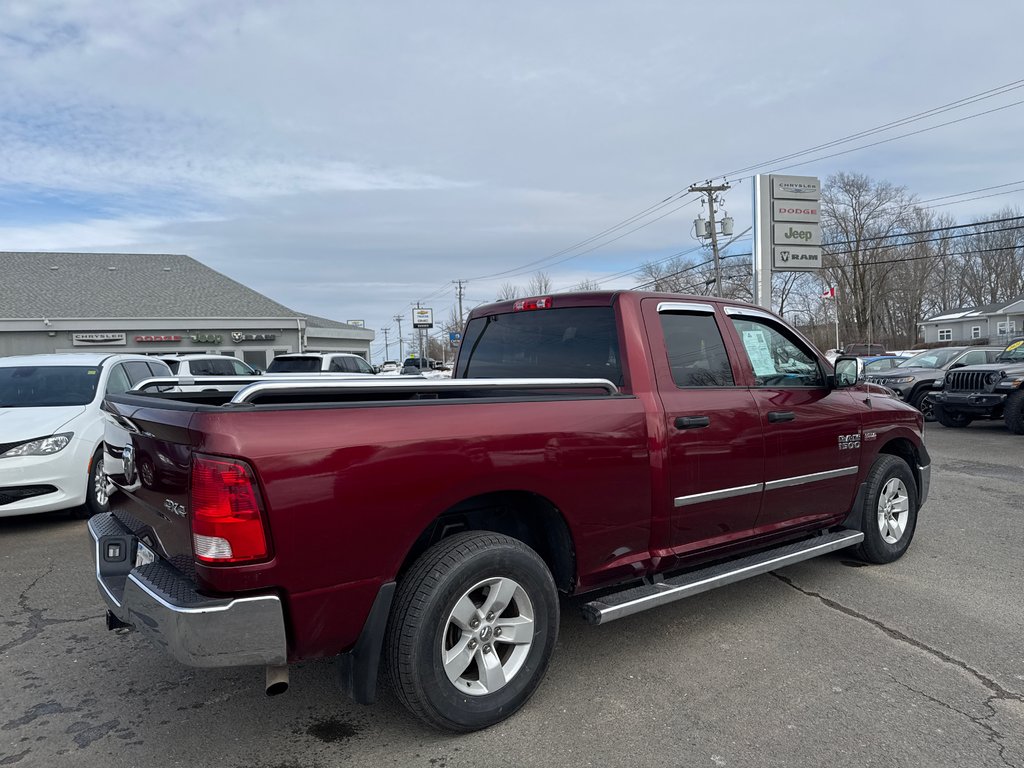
(636,599)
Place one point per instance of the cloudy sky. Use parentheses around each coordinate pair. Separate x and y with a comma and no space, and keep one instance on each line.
(349,159)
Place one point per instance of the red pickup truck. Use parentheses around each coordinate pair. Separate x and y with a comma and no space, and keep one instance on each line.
(639,447)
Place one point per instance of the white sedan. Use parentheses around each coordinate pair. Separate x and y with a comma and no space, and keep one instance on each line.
(51,428)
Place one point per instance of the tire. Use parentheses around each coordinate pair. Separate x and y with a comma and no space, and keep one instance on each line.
(924,405)
(890,510)
(96,499)
(951,419)
(442,603)
(1013,413)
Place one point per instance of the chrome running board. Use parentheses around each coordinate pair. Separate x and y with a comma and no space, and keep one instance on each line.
(636,599)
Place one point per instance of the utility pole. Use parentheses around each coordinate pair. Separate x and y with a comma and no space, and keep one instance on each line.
(711,230)
(387,349)
(401,351)
(460,290)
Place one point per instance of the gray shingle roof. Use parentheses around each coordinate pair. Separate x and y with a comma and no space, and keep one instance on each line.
(100,285)
(982,311)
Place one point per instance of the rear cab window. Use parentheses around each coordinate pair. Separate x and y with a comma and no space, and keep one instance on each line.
(566,342)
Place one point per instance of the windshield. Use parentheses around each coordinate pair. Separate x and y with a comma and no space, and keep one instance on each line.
(884,364)
(294,365)
(35,386)
(1013,352)
(932,358)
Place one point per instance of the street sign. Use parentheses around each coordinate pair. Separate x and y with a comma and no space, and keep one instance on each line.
(422,318)
(796,258)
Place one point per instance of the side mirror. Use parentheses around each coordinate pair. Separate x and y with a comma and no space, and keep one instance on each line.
(957,365)
(849,372)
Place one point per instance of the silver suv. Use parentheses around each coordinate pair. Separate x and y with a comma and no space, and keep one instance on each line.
(321,362)
(207,365)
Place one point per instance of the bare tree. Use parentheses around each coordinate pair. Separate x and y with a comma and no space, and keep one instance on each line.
(993,259)
(507,291)
(540,283)
(862,220)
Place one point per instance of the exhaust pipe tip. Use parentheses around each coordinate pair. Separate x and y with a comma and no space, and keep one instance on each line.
(277,680)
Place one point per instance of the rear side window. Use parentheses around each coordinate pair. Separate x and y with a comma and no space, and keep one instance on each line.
(137,371)
(211,367)
(574,342)
(696,352)
(294,365)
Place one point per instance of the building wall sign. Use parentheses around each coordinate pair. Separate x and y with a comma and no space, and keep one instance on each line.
(90,339)
(238,337)
(206,338)
(156,339)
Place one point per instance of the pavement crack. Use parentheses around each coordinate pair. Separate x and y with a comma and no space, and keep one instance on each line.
(998,691)
(993,736)
(35,620)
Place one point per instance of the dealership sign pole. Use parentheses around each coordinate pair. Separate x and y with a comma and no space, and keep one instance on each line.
(787,229)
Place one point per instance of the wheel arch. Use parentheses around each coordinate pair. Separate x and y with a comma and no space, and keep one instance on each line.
(523,515)
(916,457)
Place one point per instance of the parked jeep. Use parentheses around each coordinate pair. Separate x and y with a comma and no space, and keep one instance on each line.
(985,392)
(914,380)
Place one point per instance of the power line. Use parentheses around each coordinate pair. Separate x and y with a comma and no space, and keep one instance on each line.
(965,101)
(970,199)
(923,231)
(971,192)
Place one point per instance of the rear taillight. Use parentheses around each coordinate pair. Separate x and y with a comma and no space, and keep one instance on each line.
(227,519)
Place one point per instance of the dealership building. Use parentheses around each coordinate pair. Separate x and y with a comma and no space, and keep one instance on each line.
(152,303)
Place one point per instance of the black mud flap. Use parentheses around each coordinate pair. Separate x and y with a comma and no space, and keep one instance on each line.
(357,669)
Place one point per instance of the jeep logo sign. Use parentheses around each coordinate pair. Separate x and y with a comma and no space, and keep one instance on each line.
(798,234)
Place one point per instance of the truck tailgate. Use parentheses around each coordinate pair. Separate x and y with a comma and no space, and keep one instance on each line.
(148,454)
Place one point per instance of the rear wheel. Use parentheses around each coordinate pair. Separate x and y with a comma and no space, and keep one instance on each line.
(924,404)
(951,419)
(890,511)
(471,632)
(1013,413)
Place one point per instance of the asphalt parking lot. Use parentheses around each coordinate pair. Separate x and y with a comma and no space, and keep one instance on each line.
(918,663)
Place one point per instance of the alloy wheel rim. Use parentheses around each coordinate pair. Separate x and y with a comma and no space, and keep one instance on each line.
(893,510)
(99,484)
(488,636)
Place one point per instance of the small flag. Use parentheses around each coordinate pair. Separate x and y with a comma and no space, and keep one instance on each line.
(828,293)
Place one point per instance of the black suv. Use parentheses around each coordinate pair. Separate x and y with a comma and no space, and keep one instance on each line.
(985,392)
(915,378)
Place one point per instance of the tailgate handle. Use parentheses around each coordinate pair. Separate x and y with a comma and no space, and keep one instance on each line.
(777,416)
(692,422)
